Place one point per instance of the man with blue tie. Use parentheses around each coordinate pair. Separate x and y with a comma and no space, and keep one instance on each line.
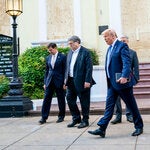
(53,81)
(120,81)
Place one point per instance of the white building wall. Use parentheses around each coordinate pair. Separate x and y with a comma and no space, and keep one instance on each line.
(42,7)
(77,18)
(115,16)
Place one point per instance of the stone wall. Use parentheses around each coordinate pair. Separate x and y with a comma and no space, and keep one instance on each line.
(136,24)
(4,19)
(60,22)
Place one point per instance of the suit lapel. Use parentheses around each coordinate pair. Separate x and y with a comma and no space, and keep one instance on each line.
(69,57)
(49,61)
(57,59)
(78,57)
(113,50)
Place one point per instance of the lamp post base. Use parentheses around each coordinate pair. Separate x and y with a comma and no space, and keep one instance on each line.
(15,106)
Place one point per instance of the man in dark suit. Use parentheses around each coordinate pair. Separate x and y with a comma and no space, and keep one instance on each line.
(53,81)
(78,79)
(120,81)
(135,70)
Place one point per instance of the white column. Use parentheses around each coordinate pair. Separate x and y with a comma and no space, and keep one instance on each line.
(99,90)
(42,20)
(77,17)
(115,16)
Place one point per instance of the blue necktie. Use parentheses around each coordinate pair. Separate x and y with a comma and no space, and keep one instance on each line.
(108,59)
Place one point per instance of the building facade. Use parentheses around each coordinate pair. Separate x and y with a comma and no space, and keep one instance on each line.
(43,21)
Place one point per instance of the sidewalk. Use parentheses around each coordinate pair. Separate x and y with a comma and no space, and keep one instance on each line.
(26,134)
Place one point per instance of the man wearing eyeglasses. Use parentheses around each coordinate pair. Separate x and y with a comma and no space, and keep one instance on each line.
(78,79)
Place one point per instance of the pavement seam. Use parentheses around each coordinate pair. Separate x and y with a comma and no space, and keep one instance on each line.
(136,142)
(23,137)
(81,134)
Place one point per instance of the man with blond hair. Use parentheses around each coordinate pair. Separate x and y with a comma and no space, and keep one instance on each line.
(120,81)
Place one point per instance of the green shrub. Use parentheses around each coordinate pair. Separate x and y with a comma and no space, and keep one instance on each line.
(4,87)
(94,56)
(32,69)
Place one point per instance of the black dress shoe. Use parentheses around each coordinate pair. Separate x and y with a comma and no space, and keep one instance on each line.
(130,119)
(42,121)
(60,119)
(73,124)
(137,132)
(83,125)
(115,121)
(98,132)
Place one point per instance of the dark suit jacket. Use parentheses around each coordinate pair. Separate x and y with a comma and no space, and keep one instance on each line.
(120,62)
(134,64)
(82,69)
(57,73)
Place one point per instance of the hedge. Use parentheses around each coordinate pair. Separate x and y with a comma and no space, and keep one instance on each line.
(4,81)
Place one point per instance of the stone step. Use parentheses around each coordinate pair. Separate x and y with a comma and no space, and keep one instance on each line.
(144,70)
(141,88)
(142,95)
(96,108)
(144,65)
(145,75)
(144,81)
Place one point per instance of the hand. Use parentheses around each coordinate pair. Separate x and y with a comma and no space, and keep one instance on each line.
(64,87)
(122,80)
(44,86)
(87,85)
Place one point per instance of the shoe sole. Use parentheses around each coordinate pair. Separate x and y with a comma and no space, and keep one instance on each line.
(102,136)
(82,127)
(115,122)
(42,123)
(137,134)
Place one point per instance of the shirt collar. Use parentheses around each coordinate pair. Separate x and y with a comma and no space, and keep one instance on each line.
(77,50)
(55,54)
(113,43)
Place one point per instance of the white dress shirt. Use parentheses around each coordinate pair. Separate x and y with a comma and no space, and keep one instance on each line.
(53,59)
(73,60)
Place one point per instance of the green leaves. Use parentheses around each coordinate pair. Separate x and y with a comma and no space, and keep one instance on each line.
(4,81)
(31,69)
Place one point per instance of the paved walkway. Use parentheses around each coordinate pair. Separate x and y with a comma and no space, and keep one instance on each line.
(26,134)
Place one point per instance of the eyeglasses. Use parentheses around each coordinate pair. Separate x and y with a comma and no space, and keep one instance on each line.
(70,43)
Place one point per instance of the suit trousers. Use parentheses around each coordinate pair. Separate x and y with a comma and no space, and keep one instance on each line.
(48,99)
(128,97)
(72,102)
(118,109)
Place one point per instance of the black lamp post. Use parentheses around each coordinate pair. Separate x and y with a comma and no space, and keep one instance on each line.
(15,104)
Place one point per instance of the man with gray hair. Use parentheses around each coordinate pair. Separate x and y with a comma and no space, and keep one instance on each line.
(78,80)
